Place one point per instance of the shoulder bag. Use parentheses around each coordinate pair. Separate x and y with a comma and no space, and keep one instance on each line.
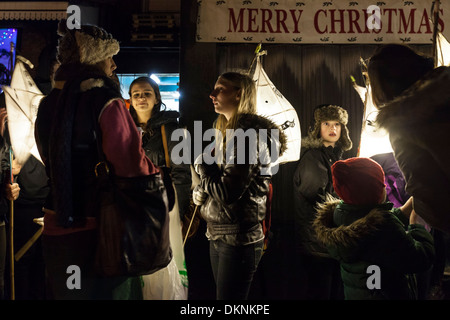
(133,222)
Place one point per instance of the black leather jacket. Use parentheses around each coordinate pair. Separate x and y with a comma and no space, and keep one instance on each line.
(237,193)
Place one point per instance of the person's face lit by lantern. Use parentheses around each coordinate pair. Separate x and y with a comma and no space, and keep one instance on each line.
(225,98)
(330,132)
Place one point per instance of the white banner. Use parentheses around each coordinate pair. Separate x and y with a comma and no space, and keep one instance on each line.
(315,21)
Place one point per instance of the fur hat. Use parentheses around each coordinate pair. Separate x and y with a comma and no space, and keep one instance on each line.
(358,181)
(331,112)
(88,45)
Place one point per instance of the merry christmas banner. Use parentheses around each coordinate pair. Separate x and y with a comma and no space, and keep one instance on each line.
(315,21)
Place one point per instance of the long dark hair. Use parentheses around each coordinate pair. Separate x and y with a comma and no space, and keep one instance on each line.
(156,108)
(394,68)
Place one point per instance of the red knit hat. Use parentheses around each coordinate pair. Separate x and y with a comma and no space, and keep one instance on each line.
(358,181)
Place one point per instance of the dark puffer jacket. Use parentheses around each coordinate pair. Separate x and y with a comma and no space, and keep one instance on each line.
(237,193)
(361,236)
(312,182)
(153,145)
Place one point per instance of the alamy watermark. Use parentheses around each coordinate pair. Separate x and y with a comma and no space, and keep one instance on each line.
(73,282)
(374,21)
(374,280)
(248,146)
(73,17)
(242,147)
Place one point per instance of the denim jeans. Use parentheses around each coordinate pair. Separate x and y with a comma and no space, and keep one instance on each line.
(233,268)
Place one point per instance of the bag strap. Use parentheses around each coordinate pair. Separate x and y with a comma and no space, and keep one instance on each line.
(166,149)
(101,155)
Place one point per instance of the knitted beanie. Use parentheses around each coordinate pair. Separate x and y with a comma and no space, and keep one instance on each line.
(358,181)
(332,112)
(88,45)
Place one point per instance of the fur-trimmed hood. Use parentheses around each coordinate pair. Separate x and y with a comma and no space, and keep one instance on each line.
(256,122)
(345,241)
(363,236)
(431,91)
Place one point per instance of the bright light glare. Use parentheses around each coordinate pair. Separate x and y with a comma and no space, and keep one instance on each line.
(155,78)
(374,142)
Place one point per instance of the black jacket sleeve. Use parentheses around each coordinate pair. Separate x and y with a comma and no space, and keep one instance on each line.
(180,174)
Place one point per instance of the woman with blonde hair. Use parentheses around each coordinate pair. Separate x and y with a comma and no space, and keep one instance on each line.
(233,192)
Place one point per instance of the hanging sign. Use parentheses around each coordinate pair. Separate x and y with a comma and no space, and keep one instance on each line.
(314,21)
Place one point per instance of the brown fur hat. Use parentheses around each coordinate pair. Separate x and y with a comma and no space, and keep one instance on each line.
(331,112)
(88,45)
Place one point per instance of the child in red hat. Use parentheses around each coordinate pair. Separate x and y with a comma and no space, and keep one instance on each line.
(379,247)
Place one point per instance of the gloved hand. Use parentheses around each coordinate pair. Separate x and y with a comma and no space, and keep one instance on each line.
(203,169)
(199,195)
(198,164)
(200,167)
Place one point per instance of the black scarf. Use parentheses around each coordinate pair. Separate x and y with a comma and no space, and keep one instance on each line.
(60,144)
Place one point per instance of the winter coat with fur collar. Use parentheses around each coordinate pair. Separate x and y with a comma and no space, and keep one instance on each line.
(312,182)
(237,193)
(361,236)
(418,123)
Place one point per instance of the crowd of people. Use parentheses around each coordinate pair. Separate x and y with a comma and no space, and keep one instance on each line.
(346,220)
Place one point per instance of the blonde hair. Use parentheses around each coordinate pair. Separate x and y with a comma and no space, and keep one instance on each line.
(247,105)
(247,101)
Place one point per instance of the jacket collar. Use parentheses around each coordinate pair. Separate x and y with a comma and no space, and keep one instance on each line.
(255,121)
(409,109)
(362,221)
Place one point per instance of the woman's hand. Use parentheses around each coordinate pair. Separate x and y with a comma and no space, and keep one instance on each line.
(416,219)
(12,191)
(407,207)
